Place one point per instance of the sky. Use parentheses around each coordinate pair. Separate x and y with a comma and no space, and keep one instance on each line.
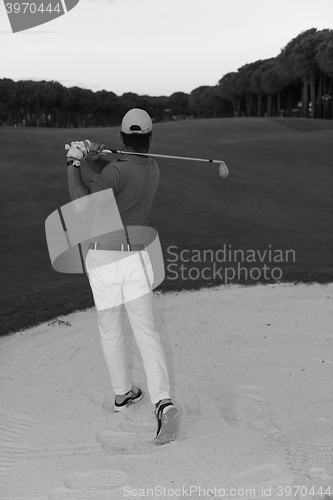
(155,47)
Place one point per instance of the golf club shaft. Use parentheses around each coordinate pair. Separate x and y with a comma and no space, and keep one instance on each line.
(115,151)
(223,169)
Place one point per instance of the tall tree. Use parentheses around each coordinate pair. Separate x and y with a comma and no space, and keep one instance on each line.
(179,103)
(256,86)
(159,105)
(196,105)
(8,96)
(215,104)
(106,108)
(273,81)
(60,116)
(300,57)
(245,85)
(325,60)
(28,102)
(47,97)
(228,88)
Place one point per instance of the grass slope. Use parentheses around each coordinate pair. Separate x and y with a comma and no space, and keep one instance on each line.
(278,197)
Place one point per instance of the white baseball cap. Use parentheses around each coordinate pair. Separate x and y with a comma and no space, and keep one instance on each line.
(136,121)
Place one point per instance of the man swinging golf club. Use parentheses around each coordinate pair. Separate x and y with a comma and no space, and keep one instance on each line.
(119,271)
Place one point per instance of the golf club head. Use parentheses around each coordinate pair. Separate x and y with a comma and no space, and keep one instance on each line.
(223,170)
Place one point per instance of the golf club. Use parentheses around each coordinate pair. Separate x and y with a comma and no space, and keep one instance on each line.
(223,169)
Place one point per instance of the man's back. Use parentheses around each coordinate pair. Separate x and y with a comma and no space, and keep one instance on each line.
(134,182)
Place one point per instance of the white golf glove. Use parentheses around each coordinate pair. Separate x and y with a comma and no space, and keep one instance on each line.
(78,149)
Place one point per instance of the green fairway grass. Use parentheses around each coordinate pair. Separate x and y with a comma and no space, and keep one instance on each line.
(278,196)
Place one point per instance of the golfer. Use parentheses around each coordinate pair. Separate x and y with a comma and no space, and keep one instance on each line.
(120,272)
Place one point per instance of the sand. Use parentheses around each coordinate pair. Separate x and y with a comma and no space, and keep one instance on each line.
(250,370)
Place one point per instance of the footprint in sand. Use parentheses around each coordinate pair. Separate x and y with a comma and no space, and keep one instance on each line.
(126,442)
(104,484)
(310,462)
(133,427)
(282,428)
(230,403)
(140,414)
(187,395)
(259,422)
(95,397)
(106,479)
(207,408)
(214,399)
(192,394)
(139,419)
(258,480)
(132,432)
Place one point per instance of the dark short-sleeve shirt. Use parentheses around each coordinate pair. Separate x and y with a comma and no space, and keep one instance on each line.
(134,182)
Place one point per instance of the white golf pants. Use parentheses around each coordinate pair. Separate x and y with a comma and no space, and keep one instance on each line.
(117,282)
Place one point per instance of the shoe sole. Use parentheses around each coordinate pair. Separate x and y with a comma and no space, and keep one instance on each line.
(169,426)
(118,409)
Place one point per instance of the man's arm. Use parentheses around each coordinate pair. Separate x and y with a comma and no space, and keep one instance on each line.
(82,197)
(89,168)
(97,165)
(76,187)
(80,178)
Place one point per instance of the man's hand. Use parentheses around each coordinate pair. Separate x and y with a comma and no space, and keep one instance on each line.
(78,149)
(95,151)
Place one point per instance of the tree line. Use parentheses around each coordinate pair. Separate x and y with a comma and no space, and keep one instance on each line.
(298,82)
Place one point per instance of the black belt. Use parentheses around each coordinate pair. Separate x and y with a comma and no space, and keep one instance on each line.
(119,248)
